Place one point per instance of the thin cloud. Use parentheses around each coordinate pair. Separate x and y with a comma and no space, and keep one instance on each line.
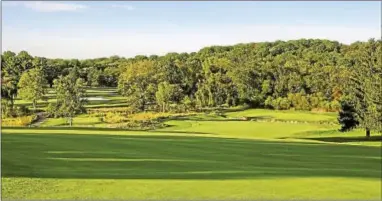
(127,7)
(41,6)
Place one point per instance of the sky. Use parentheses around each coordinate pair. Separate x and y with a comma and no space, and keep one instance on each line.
(85,29)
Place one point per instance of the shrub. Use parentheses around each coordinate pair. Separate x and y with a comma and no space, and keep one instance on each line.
(140,125)
(111,117)
(280,103)
(284,104)
(188,103)
(101,112)
(268,102)
(18,121)
(326,105)
(145,116)
(335,106)
(299,101)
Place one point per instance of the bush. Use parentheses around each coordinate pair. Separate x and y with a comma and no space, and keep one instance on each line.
(335,106)
(140,125)
(18,121)
(268,103)
(111,117)
(299,101)
(101,112)
(188,104)
(278,103)
(284,103)
(146,116)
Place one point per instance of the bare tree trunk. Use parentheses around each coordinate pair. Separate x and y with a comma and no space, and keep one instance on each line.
(367,132)
(70,121)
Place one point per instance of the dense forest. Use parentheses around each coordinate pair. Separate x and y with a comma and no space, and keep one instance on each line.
(306,74)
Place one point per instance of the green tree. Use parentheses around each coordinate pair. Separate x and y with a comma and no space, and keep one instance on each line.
(32,86)
(365,85)
(347,116)
(164,94)
(10,75)
(138,84)
(70,95)
(94,77)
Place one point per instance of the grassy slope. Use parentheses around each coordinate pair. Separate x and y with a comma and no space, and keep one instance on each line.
(200,157)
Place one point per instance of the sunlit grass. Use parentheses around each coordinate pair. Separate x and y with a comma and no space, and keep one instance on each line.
(242,154)
(107,164)
(285,115)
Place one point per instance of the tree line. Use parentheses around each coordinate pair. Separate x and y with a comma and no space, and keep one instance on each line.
(306,74)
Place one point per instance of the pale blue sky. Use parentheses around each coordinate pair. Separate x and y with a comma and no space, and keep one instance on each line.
(75,29)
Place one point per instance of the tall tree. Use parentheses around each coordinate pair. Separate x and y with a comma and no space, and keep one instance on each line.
(347,116)
(165,94)
(365,84)
(10,74)
(138,84)
(32,86)
(70,95)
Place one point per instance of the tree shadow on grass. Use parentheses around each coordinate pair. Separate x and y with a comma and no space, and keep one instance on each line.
(347,139)
(90,156)
(324,136)
(222,118)
(90,128)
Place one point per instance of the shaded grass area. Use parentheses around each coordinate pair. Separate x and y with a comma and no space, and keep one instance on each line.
(356,136)
(243,129)
(205,156)
(106,163)
(284,115)
(349,139)
(179,157)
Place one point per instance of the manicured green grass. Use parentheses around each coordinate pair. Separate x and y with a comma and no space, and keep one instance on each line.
(45,164)
(80,163)
(267,155)
(262,114)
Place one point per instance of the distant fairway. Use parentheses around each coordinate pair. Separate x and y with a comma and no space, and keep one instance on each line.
(242,154)
(113,99)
